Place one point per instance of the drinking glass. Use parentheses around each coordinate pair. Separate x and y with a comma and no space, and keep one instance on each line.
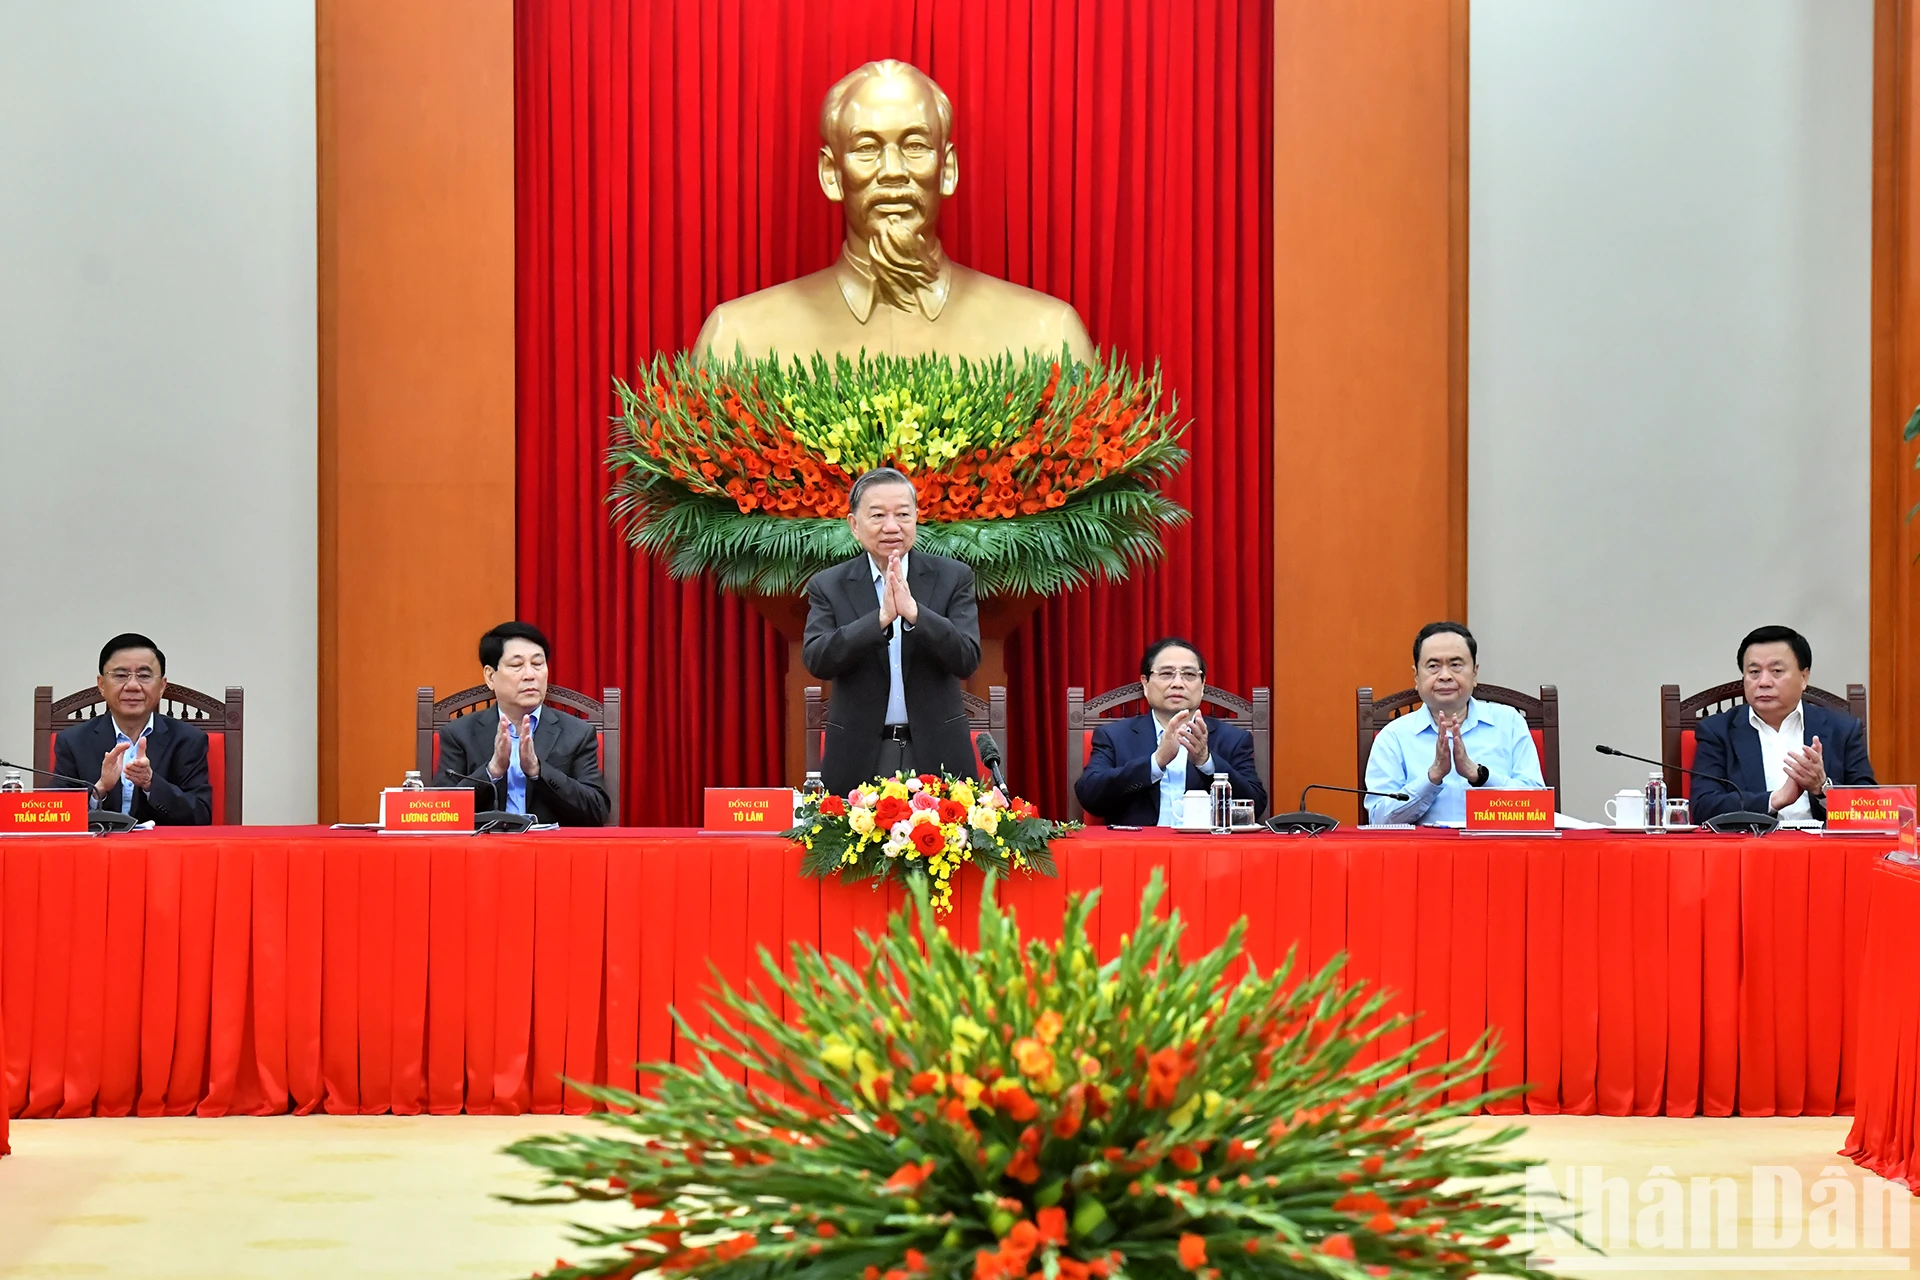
(1242,811)
(1679,813)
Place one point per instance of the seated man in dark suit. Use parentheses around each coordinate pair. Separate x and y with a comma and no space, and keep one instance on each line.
(1780,753)
(518,756)
(149,765)
(1141,767)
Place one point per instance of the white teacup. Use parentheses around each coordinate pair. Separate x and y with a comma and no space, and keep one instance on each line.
(1196,809)
(1628,808)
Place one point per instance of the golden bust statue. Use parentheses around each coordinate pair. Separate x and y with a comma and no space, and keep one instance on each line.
(889,160)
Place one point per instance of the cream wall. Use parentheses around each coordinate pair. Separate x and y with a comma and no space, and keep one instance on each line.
(1668,361)
(157,358)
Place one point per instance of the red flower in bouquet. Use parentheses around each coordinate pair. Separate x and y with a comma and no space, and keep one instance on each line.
(929,839)
(833,807)
(1023,808)
(890,810)
(929,779)
(952,811)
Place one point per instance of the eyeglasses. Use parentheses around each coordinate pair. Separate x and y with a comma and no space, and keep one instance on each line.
(1185,675)
(120,675)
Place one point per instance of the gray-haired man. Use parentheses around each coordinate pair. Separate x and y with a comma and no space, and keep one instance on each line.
(896,630)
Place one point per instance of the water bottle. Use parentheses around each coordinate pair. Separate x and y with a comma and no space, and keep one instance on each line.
(812,790)
(413,782)
(1221,795)
(12,781)
(1656,800)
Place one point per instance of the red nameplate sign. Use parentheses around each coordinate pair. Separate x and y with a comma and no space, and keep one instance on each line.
(748,810)
(441,809)
(1517,810)
(43,813)
(1868,809)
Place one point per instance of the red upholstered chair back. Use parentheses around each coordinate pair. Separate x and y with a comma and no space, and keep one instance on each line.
(1085,714)
(1679,716)
(984,715)
(603,715)
(222,720)
(1542,715)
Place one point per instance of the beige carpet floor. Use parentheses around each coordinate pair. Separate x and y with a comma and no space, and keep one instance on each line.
(322,1196)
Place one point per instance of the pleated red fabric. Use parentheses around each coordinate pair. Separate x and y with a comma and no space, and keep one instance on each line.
(1115,154)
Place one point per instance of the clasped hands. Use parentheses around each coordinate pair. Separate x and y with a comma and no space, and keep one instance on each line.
(1450,752)
(1187,729)
(1806,769)
(129,758)
(503,750)
(897,601)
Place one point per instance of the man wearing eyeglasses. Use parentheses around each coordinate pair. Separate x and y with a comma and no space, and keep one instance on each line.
(1141,767)
(1453,741)
(149,765)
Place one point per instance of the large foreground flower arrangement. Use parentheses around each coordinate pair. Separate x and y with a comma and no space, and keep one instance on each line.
(1040,474)
(1024,1110)
(930,825)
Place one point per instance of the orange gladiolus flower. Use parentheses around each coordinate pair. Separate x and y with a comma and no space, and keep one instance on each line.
(1034,1059)
(1164,1070)
(1193,1251)
(908,1178)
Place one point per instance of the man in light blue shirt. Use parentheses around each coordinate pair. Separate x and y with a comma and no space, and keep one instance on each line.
(1452,742)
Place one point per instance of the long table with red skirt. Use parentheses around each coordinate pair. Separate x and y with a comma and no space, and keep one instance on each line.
(262,970)
(1886,1120)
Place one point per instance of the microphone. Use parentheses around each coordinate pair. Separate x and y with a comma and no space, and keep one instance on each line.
(1737,820)
(989,752)
(97,819)
(496,818)
(1304,821)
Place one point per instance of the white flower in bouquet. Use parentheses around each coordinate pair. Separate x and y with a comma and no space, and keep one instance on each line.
(913,784)
(929,814)
(897,843)
(861,820)
(901,831)
(997,798)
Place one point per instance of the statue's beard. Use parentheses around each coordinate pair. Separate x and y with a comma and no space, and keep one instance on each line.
(903,262)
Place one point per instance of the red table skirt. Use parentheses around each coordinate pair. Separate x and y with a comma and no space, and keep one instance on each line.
(258,971)
(1889,1089)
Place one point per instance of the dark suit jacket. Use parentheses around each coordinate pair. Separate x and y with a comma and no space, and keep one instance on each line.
(569,790)
(1729,745)
(181,794)
(844,644)
(1118,784)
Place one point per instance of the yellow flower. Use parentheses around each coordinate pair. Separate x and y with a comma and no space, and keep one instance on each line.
(895,788)
(962,793)
(836,1053)
(861,820)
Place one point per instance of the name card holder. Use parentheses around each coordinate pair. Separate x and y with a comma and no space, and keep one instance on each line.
(436,811)
(1518,812)
(1871,811)
(747,811)
(43,813)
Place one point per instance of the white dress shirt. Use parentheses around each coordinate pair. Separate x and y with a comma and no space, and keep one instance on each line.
(1172,779)
(1775,746)
(126,783)
(896,690)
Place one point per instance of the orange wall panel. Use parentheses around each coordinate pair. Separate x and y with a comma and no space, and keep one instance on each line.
(1370,361)
(416,369)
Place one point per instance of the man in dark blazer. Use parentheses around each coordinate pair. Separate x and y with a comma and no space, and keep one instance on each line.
(896,630)
(1141,767)
(519,755)
(151,766)
(1781,753)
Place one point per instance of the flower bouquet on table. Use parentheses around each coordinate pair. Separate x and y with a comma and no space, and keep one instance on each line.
(1023,1110)
(929,824)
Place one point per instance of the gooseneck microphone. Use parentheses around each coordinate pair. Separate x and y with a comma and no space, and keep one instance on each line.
(496,819)
(1304,821)
(98,819)
(1737,820)
(989,752)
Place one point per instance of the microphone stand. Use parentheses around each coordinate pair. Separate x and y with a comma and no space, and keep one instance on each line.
(1304,821)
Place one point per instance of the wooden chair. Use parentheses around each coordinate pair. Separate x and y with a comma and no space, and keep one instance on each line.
(223,721)
(1085,714)
(1542,714)
(1679,716)
(603,715)
(984,715)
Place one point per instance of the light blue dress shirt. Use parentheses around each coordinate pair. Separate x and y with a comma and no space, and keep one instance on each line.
(1496,736)
(126,783)
(896,689)
(516,780)
(1172,780)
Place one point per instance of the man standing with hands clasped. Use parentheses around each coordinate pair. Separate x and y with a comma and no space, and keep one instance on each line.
(1452,742)
(896,630)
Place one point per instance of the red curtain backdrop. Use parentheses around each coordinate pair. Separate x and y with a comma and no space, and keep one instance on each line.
(1116,154)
